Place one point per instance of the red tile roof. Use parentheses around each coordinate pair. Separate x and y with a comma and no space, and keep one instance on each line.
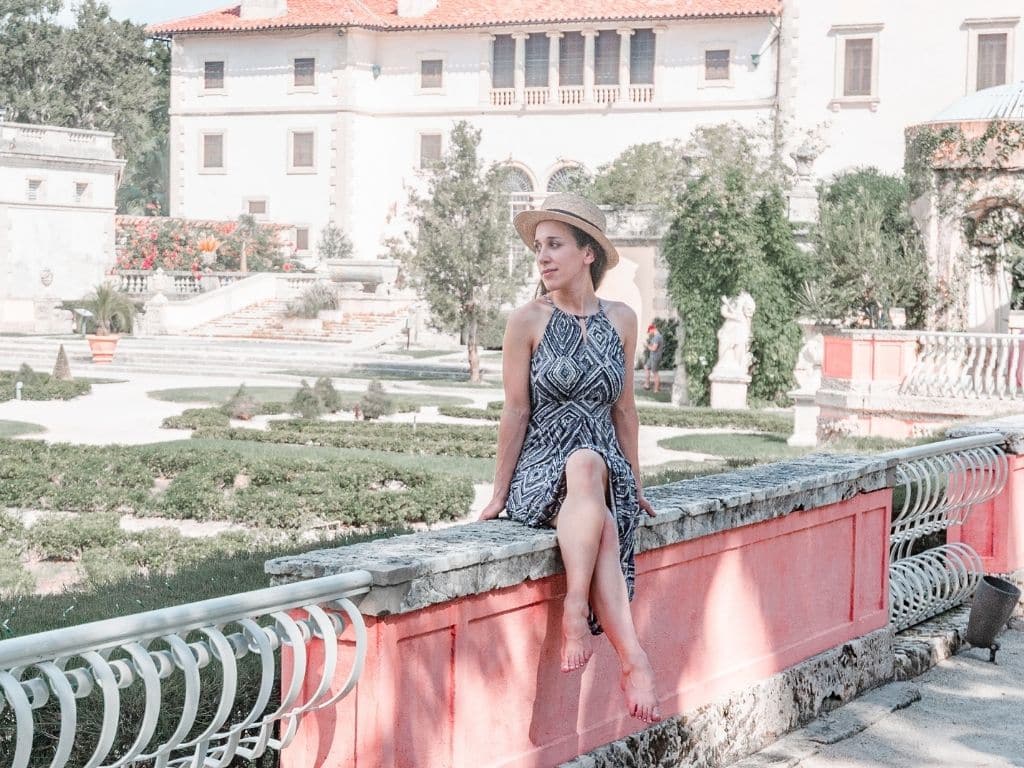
(383,14)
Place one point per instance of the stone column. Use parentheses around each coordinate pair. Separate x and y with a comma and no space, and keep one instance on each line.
(553,38)
(588,65)
(520,64)
(624,47)
(659,59)
(486,51)
(680,382)
(807,373)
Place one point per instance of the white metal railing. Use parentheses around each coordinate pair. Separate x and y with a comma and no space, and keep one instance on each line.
(503,97)
(200,645)
(967,365)
(537,96)
(936,486)
(570,94)
(641,93)
(606,94)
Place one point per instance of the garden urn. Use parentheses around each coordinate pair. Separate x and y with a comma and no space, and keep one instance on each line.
(991,609)
(102,347)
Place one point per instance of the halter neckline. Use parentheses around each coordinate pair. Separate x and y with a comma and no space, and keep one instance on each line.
(600,307)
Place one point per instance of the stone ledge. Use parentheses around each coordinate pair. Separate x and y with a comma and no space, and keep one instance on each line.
(1011,427)
(418,570)
(752,718)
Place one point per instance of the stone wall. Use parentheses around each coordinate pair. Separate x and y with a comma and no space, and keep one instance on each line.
(741,579)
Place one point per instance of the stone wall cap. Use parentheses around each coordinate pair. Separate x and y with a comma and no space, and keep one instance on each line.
(1011,427)
(416,570)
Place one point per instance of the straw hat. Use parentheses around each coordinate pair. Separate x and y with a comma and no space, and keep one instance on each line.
(569,209)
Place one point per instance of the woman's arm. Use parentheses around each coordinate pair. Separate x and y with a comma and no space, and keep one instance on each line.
(624,415)
(517,347)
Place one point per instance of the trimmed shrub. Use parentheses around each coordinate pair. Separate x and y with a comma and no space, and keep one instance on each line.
(65,537)
(40,386)
(241,405)
(375,402)
(305,403)
(15,581)
(194,418)
(327,394)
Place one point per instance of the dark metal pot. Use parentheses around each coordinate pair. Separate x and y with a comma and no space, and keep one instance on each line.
(991,609)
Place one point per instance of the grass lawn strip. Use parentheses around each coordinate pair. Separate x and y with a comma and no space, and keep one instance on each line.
(14,428)
(282,395)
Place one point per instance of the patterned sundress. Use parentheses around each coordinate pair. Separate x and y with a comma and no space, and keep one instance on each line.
(575,378)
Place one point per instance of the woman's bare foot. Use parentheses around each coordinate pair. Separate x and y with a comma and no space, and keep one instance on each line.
(638,685)
(577,646)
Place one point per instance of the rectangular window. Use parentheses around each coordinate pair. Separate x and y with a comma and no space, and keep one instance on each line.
(302,149)
(537,48)
(857,67)
(304,73)
(81,190)
(716,65)
(641,57)
(430,149)
(213,75)
(257,207)
(35,189)
(991,60)
(570,59)
(503,66)
(302,238)
(213,150)
(431,73)
(606,57)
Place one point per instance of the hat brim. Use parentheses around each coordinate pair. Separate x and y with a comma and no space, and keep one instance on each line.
(526,223)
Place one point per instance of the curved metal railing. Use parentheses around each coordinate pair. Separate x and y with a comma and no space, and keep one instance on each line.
(200,644)
(936,486)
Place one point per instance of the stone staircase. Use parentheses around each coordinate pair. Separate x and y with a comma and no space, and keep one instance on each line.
(268,320)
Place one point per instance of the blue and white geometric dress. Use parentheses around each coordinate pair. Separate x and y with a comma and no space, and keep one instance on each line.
(574,381)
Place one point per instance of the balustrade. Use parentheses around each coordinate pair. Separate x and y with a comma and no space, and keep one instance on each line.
(200,646)
(570,94)
(641,93)
(606,94)
(937,486)
(967,365)
(142,283)
(537,96)
(503,97)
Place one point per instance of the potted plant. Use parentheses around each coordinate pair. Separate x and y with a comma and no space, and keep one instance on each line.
(208,250)
(112,314)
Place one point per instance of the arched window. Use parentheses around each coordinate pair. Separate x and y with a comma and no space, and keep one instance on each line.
(566,178)
(519,187)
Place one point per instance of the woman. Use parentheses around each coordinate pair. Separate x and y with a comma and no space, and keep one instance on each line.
(567,443)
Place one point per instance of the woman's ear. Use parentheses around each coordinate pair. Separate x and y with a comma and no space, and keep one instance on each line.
(590,257)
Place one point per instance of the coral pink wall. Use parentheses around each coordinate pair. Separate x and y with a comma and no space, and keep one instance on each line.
(869,358)
(475,681)
(996,528)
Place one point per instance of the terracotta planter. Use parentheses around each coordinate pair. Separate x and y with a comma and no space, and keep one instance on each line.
(102,347)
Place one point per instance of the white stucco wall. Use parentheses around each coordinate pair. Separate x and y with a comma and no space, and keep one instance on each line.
(925,62)
(72,240)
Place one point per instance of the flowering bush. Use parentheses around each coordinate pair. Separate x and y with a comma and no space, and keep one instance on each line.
(149,242)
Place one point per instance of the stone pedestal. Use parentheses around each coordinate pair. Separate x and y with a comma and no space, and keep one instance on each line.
(49,317)
(729,391)
(805,420)
(153,320)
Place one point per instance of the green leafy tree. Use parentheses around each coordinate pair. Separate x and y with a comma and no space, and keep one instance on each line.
(458,255)
(644,174)
(334,244)
(730,233)
(99,74)
(869,255)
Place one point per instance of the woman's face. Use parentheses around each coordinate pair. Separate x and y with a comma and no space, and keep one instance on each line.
(561,262)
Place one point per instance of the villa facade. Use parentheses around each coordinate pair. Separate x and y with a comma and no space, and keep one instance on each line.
(309,111)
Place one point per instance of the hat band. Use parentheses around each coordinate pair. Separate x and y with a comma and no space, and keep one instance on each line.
(575,216)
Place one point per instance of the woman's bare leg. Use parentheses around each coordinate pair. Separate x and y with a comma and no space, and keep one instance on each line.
(610,601)
(578,526)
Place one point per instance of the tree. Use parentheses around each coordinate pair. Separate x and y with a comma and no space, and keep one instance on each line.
(334,244)
(730,233)
(869,256)
(644,174)
(458,255)
(100,74)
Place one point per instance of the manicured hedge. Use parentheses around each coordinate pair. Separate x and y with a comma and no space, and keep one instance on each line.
(205,484)
(435,439)
(40,386)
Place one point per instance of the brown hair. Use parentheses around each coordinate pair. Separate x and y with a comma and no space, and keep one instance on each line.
(598,267)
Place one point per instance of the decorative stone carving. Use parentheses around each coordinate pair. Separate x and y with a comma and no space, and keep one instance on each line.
(807,373)
(46,277)
(730,376)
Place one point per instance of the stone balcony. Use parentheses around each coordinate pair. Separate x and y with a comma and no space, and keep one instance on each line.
(50,141)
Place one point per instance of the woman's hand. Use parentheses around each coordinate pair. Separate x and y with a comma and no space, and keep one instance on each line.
(492,510)
(645,505)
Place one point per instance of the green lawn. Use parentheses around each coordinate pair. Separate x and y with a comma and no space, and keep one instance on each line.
(220,395)
(13,428)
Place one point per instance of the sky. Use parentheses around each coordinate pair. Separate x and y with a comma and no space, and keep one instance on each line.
(150,11)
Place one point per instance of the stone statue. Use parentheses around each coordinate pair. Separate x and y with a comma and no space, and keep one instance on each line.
(807,370)
(734,358)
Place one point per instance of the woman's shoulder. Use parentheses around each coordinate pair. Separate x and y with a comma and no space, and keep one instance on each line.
(530,313)
(619,310)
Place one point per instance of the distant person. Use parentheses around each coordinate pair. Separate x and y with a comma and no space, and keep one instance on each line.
(567,443)
(655,346)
